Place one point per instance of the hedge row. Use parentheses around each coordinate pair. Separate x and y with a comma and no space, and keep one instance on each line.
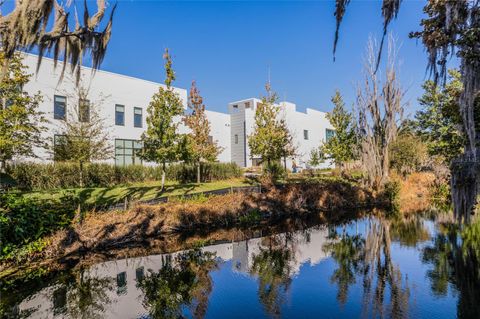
(39,176)
(25,220)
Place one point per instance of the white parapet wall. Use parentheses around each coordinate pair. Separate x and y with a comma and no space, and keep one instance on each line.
(112,90)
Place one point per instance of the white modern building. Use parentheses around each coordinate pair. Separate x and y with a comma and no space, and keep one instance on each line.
(122,102)
(309,130)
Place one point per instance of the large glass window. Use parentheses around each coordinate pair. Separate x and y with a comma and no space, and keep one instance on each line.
(84,110)
(119,114)
(126,152)
(59,107)
(329,134)
(137,117)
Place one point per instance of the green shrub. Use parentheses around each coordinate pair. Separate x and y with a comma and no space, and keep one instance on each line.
(274,171)
(186,173)
(40,176)
(407,154)
(24,221)
(392,195)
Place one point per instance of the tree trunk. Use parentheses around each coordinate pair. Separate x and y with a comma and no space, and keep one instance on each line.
(199,169)
(78,213)
(81,174)
(163,177)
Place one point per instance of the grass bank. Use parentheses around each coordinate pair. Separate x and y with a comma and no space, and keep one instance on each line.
(100,197)
(146,225)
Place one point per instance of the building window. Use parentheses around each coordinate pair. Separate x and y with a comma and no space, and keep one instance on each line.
(210,139)
(60,148)
(140,273)
(305,134)
(236,138)
(59,107)
(137,117)
(122,283)
(235,106)
(247,105)
(127,151)
(119,114)
(84,110)
(329,134)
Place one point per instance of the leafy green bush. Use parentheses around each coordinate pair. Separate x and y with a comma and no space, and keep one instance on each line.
(24,221)
(392,195)
(274,171)
(407,154)
(39,176)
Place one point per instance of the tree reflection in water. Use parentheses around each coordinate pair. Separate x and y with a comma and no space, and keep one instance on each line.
(86,296)
(455,259)
(346,253)
(369,259)
(183,281)
(273,267)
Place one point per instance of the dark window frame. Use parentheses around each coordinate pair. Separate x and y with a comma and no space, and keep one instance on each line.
(140,123)
(121,153)
(118,113)
(56,115)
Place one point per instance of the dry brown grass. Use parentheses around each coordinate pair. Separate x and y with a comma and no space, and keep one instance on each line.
(415,192)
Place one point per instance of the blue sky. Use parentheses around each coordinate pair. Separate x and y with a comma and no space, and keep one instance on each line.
(227,47)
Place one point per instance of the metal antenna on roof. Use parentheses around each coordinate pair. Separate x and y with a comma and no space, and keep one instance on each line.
(268,86)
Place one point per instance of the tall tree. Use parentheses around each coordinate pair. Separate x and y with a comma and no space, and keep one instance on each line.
(20,121)
(341,147)
(439,122)
(201,147)
(82,137)
(451,27)
(271,139)
(380,108)
(25,27)
(161,140)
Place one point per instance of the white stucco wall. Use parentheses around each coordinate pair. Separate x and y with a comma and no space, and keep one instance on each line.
(220,131)
(314,121)
(110,89)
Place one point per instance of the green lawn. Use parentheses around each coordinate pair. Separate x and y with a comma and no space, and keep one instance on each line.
(138,191)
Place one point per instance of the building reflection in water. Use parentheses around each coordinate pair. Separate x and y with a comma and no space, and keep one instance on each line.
(360,256)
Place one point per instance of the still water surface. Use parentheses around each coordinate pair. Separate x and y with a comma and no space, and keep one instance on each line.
(414,268)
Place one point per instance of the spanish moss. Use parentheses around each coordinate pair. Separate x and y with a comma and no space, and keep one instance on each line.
(25,28)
